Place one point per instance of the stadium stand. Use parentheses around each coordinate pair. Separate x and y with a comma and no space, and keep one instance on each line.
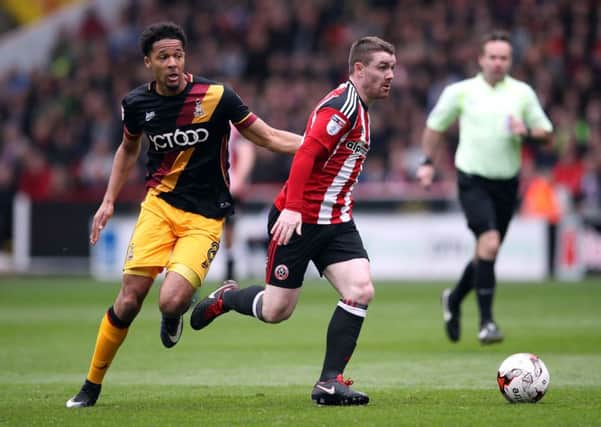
(60,123)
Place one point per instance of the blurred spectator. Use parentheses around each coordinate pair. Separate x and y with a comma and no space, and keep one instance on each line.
(12,144)
(374,170)
(35,178)
(591,183)
(8,187)
(91,26)
(569,171)
(61,186)
(95,167)
(540,199)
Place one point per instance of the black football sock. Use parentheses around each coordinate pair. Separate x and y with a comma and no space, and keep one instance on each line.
(485,288)
(248,301)
(342,335)
(230,264)
(229,269)
(463,287)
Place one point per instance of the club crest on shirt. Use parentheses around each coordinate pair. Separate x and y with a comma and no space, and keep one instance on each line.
(335,124)
(198,111)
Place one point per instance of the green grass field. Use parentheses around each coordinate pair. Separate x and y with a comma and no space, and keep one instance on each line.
(241,372)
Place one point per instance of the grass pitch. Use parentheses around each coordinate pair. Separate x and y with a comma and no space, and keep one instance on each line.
(239,372)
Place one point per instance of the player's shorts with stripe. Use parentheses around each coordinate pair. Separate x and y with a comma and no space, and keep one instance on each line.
(323,244)
(165,236)
(488,204)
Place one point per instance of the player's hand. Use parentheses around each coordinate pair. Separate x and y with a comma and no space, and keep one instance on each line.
(103,214)
(517,127)
(287,223)
(425,174)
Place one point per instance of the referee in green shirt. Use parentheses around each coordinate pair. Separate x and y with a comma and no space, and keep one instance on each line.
(495,113)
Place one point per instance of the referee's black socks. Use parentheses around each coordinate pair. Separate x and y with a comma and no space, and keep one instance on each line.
(463,287)
(485,288)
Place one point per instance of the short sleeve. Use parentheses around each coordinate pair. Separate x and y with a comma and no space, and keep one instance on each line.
(447,109)
(534,116)
(236,111)
(130,123)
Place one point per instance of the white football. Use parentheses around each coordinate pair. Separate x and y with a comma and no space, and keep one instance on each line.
(523,378)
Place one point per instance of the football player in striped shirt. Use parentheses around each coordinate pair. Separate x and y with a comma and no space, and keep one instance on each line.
(312,220)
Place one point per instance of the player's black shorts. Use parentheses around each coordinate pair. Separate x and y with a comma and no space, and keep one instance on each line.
(488,204)
(322,244)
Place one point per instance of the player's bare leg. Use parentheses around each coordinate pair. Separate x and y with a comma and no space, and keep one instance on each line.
(174,299)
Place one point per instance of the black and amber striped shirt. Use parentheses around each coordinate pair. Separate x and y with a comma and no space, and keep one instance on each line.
(188,142)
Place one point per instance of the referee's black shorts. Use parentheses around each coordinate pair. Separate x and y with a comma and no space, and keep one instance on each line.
(323,244)
(488,204)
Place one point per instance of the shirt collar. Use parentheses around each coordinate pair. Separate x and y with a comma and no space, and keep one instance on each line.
(500,84)
(358,96)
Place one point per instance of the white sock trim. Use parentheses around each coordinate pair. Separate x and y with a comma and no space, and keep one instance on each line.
(357,311)
(255,303)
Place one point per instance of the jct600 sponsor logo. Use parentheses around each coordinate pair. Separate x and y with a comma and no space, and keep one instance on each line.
(179,138)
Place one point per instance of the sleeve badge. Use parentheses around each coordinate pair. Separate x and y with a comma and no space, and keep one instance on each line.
(335,124)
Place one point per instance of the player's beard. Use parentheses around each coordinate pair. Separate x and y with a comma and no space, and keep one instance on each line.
(385,91)
(381,92)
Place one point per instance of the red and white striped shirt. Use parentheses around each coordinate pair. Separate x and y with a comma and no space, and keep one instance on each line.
(326,167)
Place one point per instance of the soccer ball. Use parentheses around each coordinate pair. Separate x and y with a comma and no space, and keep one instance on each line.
(523,378)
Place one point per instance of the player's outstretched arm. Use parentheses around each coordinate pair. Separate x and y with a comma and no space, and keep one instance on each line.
(263,135)
(123,162)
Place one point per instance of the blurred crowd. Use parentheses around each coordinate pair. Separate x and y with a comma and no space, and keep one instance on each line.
(60,125)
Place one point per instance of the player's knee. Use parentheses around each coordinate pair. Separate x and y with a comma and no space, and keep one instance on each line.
(366,292)
(175,305)
(128,305)
(131,296)
(276,314)
(362,291)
